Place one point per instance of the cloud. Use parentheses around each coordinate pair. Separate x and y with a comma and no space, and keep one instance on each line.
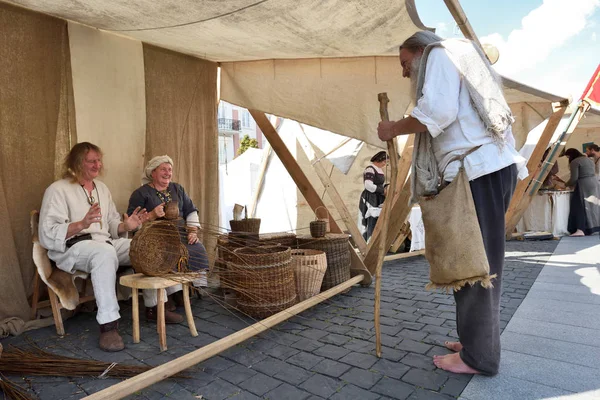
(544,29)
(441,29)
(594,37)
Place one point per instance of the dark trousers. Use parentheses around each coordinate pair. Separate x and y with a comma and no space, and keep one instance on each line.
(478,309)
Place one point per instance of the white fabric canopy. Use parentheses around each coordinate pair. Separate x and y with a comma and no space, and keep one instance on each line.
(321,62)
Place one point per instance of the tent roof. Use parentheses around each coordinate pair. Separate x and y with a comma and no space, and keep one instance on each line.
(321,62)
(235,30)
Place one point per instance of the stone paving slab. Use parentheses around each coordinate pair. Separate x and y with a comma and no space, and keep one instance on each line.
(325,352)
(551,347)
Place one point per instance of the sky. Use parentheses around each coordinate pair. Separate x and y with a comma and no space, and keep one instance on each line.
(553,45)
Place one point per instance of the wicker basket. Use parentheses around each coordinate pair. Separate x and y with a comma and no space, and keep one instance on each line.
(245,225)
(264,280)
(309,269)
(172,210)
(285,239)
(156,249)
(318,228)
(325,218)
(335,246)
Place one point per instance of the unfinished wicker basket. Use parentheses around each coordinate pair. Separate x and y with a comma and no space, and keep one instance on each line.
(156,249)
(309,270)
(336,247)
(264,280)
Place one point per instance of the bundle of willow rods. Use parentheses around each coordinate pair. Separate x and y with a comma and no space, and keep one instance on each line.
(12,391)
(38,362)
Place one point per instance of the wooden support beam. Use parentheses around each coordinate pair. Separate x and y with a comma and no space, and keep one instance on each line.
(543,169)
(306,188)
(515,210)
(337,200)
(402,235)
(179,364)
(260,180)
(404,255)
(461,20)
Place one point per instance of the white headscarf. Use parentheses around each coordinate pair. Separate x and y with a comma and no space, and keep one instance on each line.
(152,165)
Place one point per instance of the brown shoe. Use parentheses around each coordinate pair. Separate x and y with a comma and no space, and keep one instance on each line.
(170,305)
(170,317)
(110,340)
(177,299)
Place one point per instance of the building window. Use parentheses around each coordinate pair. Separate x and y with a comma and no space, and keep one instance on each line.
(246,119)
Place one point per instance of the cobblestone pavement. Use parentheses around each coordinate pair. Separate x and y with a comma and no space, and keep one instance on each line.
(327,352)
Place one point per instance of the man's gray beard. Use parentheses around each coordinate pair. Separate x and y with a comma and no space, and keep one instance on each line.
(415,67)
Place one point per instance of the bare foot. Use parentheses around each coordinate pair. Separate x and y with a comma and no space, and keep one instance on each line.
(453,363)
(454,346)
(578,233)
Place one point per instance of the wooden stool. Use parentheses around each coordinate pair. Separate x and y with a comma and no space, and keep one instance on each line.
(141,281)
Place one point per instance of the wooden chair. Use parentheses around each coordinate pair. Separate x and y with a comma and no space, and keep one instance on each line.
(62,291)
(141,281)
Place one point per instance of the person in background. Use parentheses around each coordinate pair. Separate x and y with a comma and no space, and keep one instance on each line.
(156,192)
(593,151)
(373,195)
(584,215)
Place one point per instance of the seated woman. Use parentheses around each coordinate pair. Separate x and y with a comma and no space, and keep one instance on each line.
(156,191)
(584,216)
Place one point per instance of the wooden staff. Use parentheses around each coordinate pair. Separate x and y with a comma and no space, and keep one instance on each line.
(385,215)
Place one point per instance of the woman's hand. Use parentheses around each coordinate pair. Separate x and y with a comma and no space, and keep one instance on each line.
(158,212)
(192,235)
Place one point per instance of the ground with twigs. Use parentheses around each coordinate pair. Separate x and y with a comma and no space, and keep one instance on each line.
(327,352)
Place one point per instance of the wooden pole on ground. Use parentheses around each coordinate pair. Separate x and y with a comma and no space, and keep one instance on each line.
(515,209)
(393,155)
(404,255)
(338,202)
(306,188)
(179,364)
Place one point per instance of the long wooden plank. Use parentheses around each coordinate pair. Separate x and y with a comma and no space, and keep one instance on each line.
(515,212)
(337,200)
(306,188)
(261,179)
(404,255)
(179,364)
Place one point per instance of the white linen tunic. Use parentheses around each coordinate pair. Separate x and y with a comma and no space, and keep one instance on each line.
(66,202)
(446,110)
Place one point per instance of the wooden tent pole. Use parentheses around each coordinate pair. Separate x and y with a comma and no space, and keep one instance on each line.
(462,21)
(393,155)
(306,188)
(177,365)
(334,195)
(515,211)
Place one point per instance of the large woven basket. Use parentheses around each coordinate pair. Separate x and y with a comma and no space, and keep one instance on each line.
(335,246)
(156,249)
(264,280)
(309,270)
(285,239)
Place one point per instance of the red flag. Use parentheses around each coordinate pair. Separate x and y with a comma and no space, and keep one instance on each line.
(591,94)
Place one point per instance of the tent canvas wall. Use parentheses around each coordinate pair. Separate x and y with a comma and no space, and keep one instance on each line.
(63,83)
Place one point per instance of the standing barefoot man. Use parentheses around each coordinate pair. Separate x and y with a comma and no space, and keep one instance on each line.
(460,105)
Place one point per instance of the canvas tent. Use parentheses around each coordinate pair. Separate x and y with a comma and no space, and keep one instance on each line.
(139,77)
